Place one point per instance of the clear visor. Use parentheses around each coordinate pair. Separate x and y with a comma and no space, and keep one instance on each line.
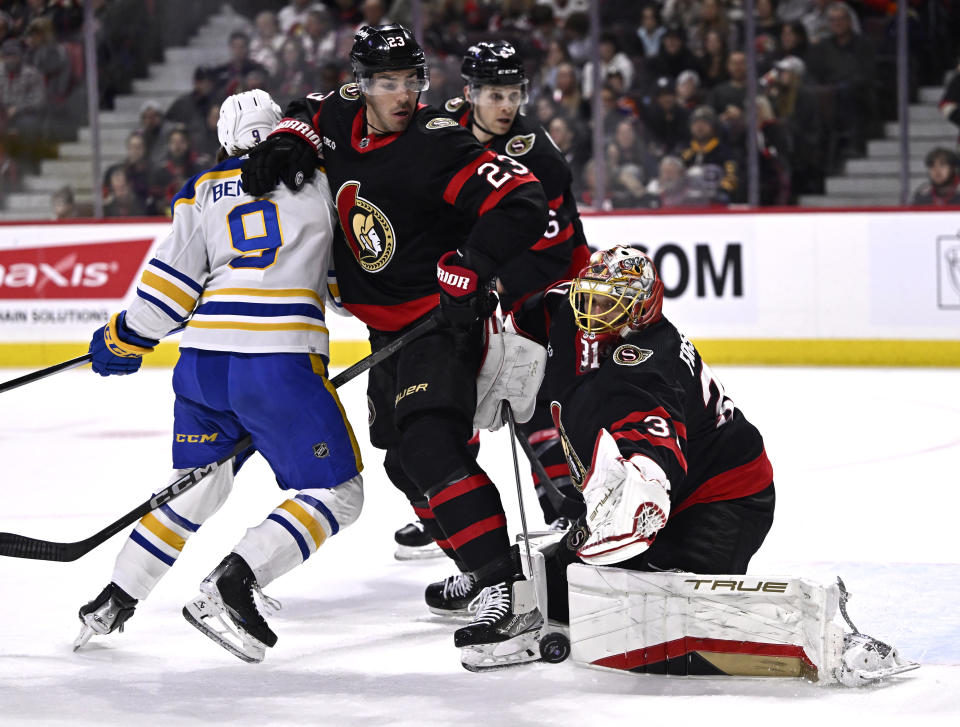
(383,84)
(600,306)
(513,96)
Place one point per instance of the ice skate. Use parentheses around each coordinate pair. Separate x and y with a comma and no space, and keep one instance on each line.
(506,629)
(452,596)
(413,543)
(866,660)
(226,611)
(105,614)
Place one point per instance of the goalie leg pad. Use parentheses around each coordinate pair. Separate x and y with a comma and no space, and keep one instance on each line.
(718,625)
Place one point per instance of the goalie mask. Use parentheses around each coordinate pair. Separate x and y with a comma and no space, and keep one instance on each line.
(618,291)
(381,48)
(246,119)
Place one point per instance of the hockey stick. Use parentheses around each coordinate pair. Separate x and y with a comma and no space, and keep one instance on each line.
(557,498)
(44,373)
(20,546)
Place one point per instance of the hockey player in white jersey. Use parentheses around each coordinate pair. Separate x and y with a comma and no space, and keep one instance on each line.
(246,280)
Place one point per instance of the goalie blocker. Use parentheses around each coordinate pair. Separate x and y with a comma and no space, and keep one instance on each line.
(684,624)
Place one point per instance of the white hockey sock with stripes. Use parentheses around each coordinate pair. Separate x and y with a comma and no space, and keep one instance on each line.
(157,540)
(300,525)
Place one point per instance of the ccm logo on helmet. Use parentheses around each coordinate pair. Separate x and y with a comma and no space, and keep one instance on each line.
(454,281)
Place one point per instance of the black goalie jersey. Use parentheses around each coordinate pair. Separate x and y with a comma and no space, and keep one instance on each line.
(657,397)
(405,199)
(561,252)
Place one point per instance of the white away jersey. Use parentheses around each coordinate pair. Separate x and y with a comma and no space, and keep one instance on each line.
(240,273)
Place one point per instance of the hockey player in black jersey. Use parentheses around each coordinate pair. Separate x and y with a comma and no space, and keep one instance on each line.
(430,218)
(495,90)
(673,474)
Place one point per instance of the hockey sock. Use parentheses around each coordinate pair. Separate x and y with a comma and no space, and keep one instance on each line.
(157,540)
(297,528)
(469,509)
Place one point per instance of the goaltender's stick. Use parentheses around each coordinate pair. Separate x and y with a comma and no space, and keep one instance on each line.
(557,498)
(20,546)
(44,373)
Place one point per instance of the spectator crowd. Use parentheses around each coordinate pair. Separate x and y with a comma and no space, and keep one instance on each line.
(673,84)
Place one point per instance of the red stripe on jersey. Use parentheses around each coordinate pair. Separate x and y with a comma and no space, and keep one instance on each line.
(578,260)
(424,513)
(544,435)
(554,471)
(670,443)
(565,234)
(460,178)
(747,479)
(460,487)
(475,439)
(555,203)
(458,540)
(638,416)
(393,317)
(656,653)
(494,197)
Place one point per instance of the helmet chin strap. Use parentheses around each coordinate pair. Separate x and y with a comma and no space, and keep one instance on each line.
(475,122)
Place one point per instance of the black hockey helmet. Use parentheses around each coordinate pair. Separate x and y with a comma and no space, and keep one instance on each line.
(386,48)
(494,63)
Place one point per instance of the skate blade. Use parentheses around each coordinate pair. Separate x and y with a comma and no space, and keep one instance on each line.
(461,614)
(519,650)
(86,633)
(204,611)
(425,552)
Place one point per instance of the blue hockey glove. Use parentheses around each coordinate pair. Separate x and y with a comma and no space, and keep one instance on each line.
(116,349)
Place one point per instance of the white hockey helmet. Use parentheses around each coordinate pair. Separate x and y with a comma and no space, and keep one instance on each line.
(246,119)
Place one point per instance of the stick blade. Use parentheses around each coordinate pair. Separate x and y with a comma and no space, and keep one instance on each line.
(20,546)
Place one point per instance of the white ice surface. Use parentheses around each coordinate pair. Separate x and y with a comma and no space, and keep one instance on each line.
(867,466)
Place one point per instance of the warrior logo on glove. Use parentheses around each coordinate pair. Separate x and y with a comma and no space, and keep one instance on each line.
(367,229)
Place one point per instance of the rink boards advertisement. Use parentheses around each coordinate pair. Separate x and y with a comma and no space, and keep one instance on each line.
(878,286)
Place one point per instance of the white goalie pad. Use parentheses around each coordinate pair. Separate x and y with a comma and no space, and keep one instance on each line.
(719,625)
(512,369)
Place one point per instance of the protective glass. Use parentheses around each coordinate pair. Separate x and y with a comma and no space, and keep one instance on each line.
(514,96)
(383,84)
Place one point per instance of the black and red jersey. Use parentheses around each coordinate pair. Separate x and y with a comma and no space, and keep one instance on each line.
(657,397)
(561,252)
(405,199)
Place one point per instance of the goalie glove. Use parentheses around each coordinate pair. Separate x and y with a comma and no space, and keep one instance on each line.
(117,349)
(283,157)
(628,502)
(512,369)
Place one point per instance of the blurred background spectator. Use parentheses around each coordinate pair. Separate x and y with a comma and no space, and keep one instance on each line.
(942,187)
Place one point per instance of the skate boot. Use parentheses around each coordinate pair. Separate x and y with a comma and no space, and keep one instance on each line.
(226,611)
(105,614)
(505,630)
(452,596)
(413,543)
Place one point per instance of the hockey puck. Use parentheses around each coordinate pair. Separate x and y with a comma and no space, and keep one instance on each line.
(554,648)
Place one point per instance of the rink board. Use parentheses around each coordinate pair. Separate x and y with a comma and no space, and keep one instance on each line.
(880,287)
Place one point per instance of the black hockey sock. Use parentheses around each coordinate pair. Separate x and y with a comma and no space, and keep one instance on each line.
(469,509)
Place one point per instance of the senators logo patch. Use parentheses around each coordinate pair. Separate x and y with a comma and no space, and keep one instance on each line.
(630,355)
(368,231)
(350,91)
(520,144)
(454,104)
(441,122)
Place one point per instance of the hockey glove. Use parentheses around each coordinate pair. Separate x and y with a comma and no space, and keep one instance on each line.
(116,349)
(284,157)
(628,502)
(463,300)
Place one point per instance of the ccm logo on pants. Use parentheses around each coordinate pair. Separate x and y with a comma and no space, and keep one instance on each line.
(194,438)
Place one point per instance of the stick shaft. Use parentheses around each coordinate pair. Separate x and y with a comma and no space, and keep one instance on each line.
(44,373)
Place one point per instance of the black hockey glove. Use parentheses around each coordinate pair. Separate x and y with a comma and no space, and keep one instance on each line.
(283,157)
(463,300)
